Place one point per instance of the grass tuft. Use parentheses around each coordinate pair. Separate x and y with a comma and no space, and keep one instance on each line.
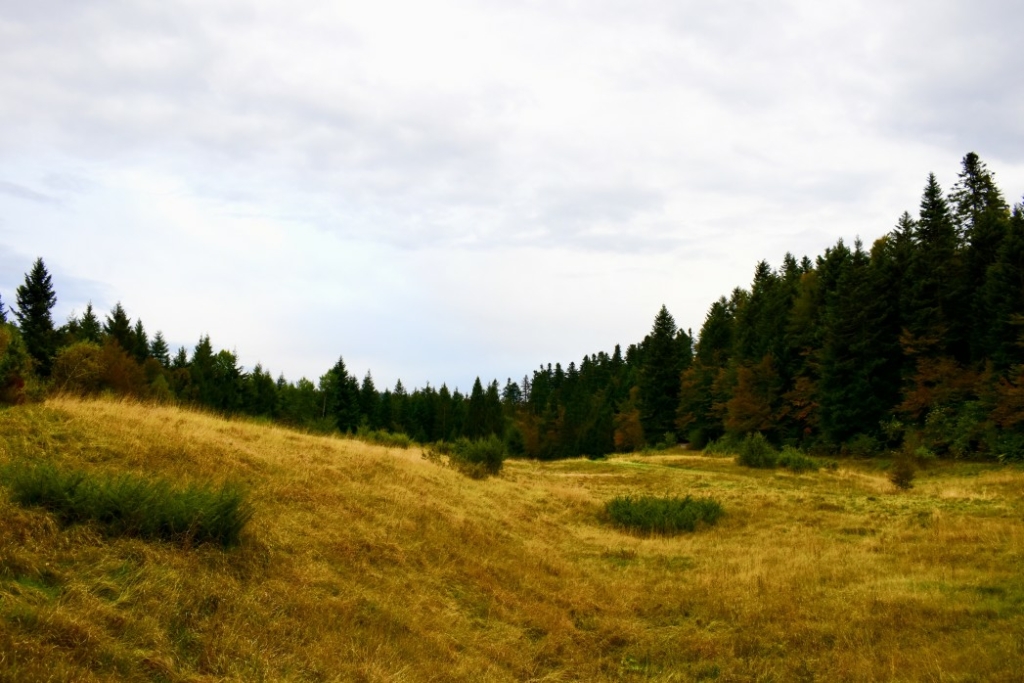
(667,516)
(126,505)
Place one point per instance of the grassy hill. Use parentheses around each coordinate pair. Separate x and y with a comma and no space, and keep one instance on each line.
(368,564)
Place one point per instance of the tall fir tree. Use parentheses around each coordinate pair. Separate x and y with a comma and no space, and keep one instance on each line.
(660,377)
(36,299)
(159,350)
(89,326)
(118,327)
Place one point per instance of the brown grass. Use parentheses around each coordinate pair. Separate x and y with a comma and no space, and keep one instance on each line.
(367,564)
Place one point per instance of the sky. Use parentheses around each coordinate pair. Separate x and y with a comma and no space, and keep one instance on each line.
(443,190)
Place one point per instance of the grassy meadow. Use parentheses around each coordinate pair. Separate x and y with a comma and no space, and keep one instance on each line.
(363,563)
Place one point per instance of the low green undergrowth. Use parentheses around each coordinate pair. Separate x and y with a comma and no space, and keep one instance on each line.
(381,437)
(125,505)
(658,515)
(477,458)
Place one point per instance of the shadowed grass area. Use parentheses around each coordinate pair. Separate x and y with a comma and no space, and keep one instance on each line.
(656,515)
(126,505)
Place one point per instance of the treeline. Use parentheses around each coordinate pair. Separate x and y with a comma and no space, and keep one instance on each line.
(913,344)
(87,356)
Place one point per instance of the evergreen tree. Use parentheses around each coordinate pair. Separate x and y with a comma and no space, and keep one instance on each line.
(159,350)
(660,376)
(369,402)
(140,342)
(36,300)
(342,397)
(89,327)
(119,328)
(476,417)
(933,306)
(983,219)
(3,313)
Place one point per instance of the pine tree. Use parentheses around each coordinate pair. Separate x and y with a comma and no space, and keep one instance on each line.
(119,328)
(660,377)
(983,219)
(89,326)
(341,392)
(3,313)
(140,342)
(476,417)
(159,350)
(369,402)
(36,300)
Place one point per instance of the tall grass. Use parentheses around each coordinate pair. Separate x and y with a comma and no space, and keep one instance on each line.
(126,505)
(651,514)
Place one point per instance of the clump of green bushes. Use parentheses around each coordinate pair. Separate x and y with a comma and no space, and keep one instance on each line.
(660,515)
(125,505)
(755,451)
(793,459)
(382,437)
(476,458)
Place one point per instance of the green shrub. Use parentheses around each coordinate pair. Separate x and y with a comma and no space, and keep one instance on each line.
(651,514)
(755,451)
(382,437)
(862,446)
(478,458)
(794,460)
(902,473)
(725,445)
(132,506)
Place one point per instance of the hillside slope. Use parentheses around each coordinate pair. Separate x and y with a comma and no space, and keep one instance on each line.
(368,564)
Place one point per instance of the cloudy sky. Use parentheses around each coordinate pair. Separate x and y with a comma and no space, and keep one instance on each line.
(440,190)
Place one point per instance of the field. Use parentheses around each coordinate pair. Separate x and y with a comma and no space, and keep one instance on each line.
(368,564)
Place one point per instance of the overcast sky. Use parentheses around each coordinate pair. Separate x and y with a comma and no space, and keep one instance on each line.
(440,190)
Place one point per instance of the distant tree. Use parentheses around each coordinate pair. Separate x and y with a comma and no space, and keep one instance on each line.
(89,326)
(659,375)
(341,393)
(369,402)
(3,313)
(36,300)
(140,342)
(119,327)
(158,349)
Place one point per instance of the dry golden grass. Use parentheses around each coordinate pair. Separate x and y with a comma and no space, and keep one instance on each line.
(364,564)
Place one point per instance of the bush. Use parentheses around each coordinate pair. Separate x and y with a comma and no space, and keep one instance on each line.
(650,514)
(725,445)
(903,472)
(755,451)
(382,437)
(132,506)
(478,458)
(794,460)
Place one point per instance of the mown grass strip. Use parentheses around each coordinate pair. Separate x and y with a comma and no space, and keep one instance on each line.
(667,516)
(125,505)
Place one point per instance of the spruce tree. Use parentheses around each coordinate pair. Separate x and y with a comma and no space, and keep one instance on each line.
(89,326)
(36,300)
(140,342)
(660,377)
(159,350)
(119,328)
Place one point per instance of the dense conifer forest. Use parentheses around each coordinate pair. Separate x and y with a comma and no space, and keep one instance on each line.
(914,344)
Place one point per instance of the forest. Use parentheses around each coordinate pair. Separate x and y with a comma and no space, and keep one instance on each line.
(912,345)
